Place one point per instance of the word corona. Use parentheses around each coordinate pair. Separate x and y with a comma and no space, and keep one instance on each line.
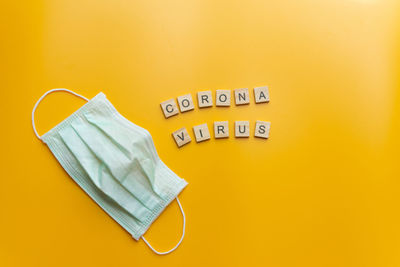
(221,130)
(205,100)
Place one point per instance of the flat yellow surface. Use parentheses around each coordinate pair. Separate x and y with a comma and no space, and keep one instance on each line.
(324,190)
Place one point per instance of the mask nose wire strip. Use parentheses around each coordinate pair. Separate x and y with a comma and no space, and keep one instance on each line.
(180,241)
(43,96)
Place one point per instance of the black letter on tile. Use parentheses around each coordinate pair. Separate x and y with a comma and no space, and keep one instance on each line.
(223,95)
(169,108)
(261,129)
(204,98)
(185,101)
(181,137)
(262,95)
(244,129)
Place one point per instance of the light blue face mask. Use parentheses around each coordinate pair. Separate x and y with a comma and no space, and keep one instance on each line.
(116,164)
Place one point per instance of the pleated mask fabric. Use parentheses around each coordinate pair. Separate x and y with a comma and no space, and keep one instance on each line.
(115,162)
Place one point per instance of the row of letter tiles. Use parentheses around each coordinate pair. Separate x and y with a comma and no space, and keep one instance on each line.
(221,130)
(222,97)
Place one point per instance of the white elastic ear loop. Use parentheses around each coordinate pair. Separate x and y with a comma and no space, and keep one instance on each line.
(180,241)
(43,96)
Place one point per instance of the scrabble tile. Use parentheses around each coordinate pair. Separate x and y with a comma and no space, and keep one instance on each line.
(221,129)
(169,108)
(204,99)
(201,132)
(242,96)
(242,128)
(181,137)
(185,102)
(223,98)
(261,94)
(262,129)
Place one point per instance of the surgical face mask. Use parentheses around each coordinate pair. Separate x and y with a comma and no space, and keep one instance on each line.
(115,162)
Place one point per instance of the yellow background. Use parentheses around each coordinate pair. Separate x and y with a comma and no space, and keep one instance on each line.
(324,190)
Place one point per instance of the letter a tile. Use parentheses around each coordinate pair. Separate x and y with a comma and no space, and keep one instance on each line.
(261,94)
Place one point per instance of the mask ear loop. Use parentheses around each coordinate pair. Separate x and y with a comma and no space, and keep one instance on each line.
(180,241)
(43,96)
